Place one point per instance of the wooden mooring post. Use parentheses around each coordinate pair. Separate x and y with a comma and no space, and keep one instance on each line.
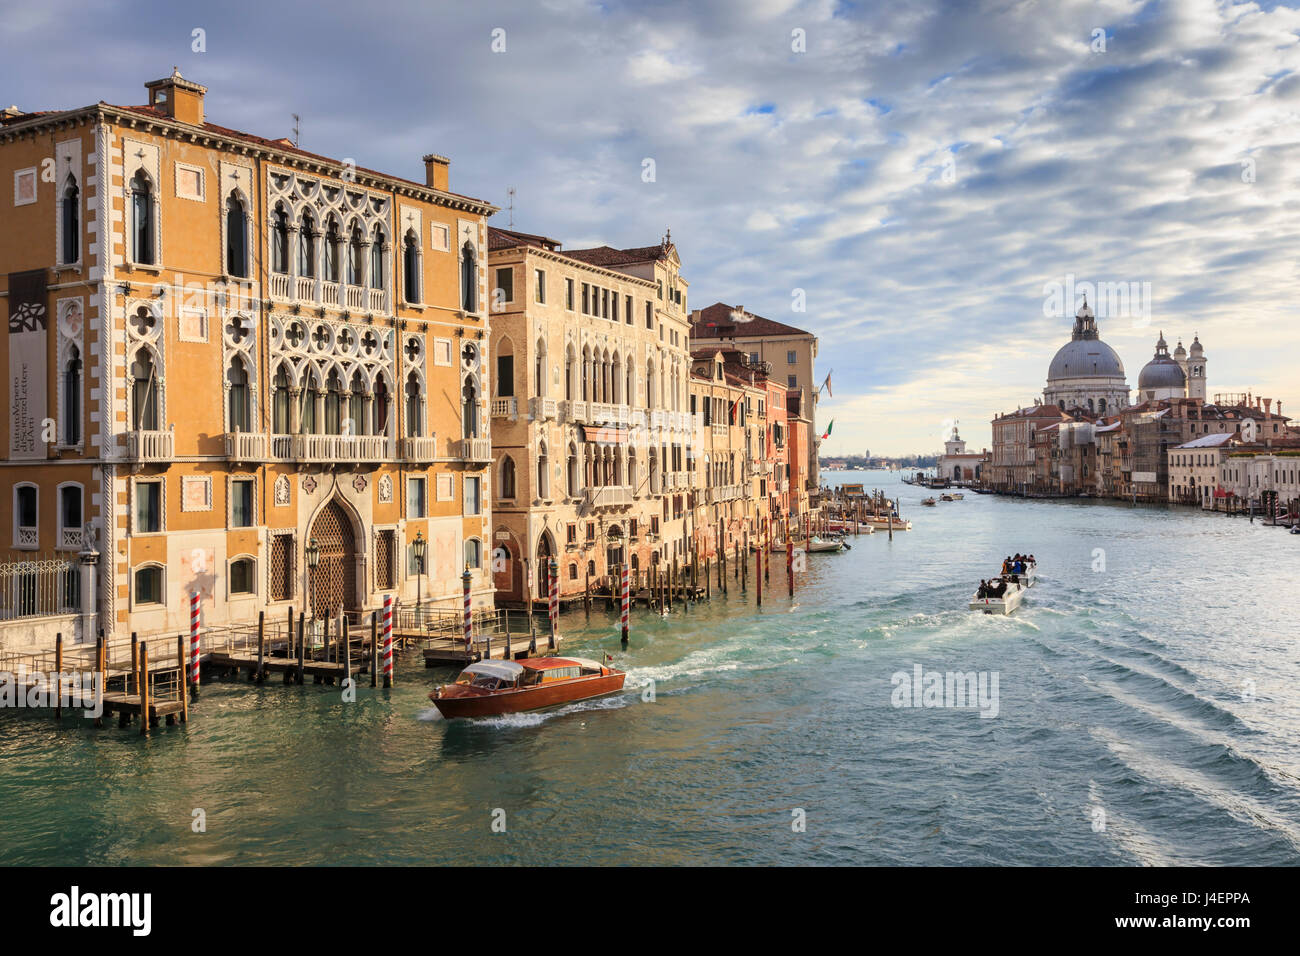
(58,676)
(260,676)
(374,648)
(302,646)
(184,669)
(143,679)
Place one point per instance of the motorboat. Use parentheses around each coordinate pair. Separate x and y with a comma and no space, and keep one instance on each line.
(814,546)
(491,688)
(1010,600)
(881,523)
(929,502)
(848,527)
(946,498)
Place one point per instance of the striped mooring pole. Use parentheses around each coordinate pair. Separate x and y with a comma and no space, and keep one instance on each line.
(388,640)
(553,578)
(469,613)
(625,595)
(194,642)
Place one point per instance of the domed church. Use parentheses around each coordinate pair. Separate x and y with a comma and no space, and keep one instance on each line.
(1181,375)
(1086,373)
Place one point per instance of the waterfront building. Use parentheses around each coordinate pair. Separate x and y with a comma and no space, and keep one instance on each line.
(229,348)
(777,455)
(728,393)
(957,464)
(1086,373)
(1015,447)
(791,354)
(592,438)
(1173,377)
(1194,469)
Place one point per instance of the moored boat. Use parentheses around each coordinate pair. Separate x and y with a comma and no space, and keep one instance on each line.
(815,546)
(492,688)
(881,523)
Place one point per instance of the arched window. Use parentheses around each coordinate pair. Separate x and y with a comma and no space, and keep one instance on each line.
(473,553)
(72,398)
(280,402)
(142,237)
(237,380)
(333,403)
(333,243)
(468,278)
(411,268)
(307,406)
(236,238)
(243,580)
(469,409)
(414,407)
(568,374)
(356,256)
(507,478)
(543,472)
(148,585)
(280,243)
(573,571)
(307,246)
(539,368)
(377,277)
(71,221)
(572,471)
(357,405)
(144,392)
(379,408)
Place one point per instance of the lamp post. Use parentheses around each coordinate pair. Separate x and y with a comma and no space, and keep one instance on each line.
(418,548)
(313,561)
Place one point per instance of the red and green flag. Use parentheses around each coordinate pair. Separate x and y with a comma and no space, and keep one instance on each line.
(827,433)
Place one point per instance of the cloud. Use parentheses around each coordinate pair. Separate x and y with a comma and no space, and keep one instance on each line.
(822,170)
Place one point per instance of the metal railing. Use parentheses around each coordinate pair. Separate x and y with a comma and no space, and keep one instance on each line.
(44,587)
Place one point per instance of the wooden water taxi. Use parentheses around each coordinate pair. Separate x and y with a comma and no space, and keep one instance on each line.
(881,523)
(929,502)
(492,688)
(1008,602)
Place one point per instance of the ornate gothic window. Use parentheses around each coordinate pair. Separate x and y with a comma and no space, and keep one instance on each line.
(379,409)
(71,222)
(507,489)
(238,400)
(377,277)
(280,243)
(280,402)
(142,231)
(236,238)
(469,409)
(468,278)
(356,256)
(333,244)
(144,392)
(411,268)
(333,403)
(307,246)
(414,407)
(72,398)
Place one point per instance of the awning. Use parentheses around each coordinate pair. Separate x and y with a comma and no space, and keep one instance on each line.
(504,670)
(605,434)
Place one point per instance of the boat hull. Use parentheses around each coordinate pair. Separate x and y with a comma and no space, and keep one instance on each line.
(525,699)
(1003,605)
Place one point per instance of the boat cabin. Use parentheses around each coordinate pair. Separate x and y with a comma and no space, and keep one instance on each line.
(491,675)
(506,675)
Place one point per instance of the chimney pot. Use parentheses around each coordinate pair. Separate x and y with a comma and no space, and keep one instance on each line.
(178,98)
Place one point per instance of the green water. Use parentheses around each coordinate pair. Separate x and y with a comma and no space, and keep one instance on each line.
(1160,689)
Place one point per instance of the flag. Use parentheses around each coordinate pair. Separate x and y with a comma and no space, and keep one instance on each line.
(828,430)
(827,385)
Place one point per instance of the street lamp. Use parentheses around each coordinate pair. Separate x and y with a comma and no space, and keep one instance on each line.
(418,547)
(313,561)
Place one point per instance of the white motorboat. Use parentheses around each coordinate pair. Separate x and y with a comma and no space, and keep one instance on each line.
(881,523)
(1008,602)
(815,546)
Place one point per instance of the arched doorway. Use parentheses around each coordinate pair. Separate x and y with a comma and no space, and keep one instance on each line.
(334,583)
(545,550)
(507,572)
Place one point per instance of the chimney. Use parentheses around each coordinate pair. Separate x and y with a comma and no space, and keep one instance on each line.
(435,171)
(178,98)
(12,112)
(1268,408)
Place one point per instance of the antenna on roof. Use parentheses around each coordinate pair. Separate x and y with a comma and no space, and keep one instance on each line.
(510,206)
(296,117)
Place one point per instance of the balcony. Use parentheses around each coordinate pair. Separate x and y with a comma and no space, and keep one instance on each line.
(355,296)
(305,288)
(420,449)
(146,446)
(574,411)
(70,539)
(378,300)
(721,493)
(610,496)
(472,449)
(280,286)
(544,409)
(505,408)
(341,448)
(245,446)
(329,293)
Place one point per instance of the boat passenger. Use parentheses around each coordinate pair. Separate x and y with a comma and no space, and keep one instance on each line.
(1006,565)
(983,592)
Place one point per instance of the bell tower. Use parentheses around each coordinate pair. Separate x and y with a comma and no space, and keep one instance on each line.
(1196,370)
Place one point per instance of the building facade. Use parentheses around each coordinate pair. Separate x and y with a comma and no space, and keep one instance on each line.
(244,348)
(593,440)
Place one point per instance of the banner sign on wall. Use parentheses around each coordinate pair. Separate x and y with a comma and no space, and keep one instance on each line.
(28,321)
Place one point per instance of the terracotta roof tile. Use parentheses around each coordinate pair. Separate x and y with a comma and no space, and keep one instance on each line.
(717,322)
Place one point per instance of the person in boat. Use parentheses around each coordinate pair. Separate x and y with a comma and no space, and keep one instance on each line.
(1033,561)
(999,589)
(983,592)
(1006,565)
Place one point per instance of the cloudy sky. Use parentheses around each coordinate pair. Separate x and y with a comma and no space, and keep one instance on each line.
(931,175)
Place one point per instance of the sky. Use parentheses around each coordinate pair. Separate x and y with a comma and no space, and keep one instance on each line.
(930,180)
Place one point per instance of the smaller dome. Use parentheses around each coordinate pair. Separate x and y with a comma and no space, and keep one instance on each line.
(1197,349)
(1180,352)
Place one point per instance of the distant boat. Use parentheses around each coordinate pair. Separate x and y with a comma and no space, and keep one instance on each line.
(492,688)
(930,502)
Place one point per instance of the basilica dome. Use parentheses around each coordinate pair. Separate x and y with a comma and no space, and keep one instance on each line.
(1086,373)
(1162,375)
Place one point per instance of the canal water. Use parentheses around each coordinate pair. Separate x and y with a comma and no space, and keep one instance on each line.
(1146,713)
